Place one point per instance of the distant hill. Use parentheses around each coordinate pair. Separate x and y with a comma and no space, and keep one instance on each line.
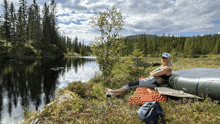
(133,37)
(148,36)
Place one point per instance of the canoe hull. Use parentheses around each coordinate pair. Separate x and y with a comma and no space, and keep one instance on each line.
(197,81)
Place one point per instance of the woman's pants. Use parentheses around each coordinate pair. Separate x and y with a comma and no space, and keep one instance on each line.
(149,82)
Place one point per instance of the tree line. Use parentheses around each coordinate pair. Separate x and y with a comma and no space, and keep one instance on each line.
(184,46)
(74,46)
(27,33)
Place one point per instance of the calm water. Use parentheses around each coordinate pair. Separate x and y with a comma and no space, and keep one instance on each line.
(32,84)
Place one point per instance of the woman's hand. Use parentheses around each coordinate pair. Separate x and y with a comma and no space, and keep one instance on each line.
(159,78)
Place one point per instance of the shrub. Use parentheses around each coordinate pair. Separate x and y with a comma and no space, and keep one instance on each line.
(98,91)
(78,88)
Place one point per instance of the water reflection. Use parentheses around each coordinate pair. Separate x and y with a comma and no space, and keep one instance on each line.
(31,84)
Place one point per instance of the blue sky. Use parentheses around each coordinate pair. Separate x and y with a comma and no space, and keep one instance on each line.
(174,17)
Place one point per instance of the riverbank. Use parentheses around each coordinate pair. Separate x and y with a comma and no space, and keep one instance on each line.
(90,105)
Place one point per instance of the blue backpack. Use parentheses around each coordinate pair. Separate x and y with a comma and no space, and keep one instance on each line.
(149,112)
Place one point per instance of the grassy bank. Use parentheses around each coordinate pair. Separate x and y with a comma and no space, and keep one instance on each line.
(89,104)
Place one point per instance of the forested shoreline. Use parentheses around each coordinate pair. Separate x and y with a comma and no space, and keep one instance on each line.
(189,47)
(28,34)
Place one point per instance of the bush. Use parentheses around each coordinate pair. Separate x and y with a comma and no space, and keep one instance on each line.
(98,91)
(82,89)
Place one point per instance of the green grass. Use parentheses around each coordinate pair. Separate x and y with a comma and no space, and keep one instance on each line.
(91,106)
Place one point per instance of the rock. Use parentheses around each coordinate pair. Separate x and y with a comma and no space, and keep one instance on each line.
(34,121)
(40,111)
(64,97)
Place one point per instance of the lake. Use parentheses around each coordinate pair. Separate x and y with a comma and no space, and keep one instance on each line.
(29,85)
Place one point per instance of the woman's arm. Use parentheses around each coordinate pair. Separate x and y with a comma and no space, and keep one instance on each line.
(155,70)
(160,72)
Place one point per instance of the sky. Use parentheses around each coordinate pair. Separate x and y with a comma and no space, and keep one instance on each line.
(155,17)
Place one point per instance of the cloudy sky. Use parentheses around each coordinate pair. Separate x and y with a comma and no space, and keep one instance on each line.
(174,17)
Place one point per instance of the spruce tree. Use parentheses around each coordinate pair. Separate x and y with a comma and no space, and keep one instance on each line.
(12,23)
(205,46)
(76,45)
(58,46)
(6,25)
(216,50)
(30,25)
(45,47)
(37,27)
(188,48)
(53,20)
(69,46)
(1,27)
(79,47)
(23,19)
(83,49)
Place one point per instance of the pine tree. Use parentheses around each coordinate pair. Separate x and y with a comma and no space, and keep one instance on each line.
(45,47)
(19,29)
(6,25)
(216,50)
(76,45)
(69,45)
(30,25)
(197,45)
(79,47)
(145,45)
(20,38)
(205,45)
(189,48)
(37,27)
(154,46)
(53,29)
(23,19)
(1,27)
(12,23)
(83,49)
(58,46)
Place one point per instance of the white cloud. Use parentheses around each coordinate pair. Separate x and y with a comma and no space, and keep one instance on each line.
(62,10)
(150,17)
(83,32)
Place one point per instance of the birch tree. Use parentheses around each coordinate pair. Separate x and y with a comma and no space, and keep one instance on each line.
(107,46)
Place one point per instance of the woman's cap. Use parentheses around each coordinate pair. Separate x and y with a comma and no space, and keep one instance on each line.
(167,55)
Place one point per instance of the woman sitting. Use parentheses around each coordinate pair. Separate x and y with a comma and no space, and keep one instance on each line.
(157,77)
